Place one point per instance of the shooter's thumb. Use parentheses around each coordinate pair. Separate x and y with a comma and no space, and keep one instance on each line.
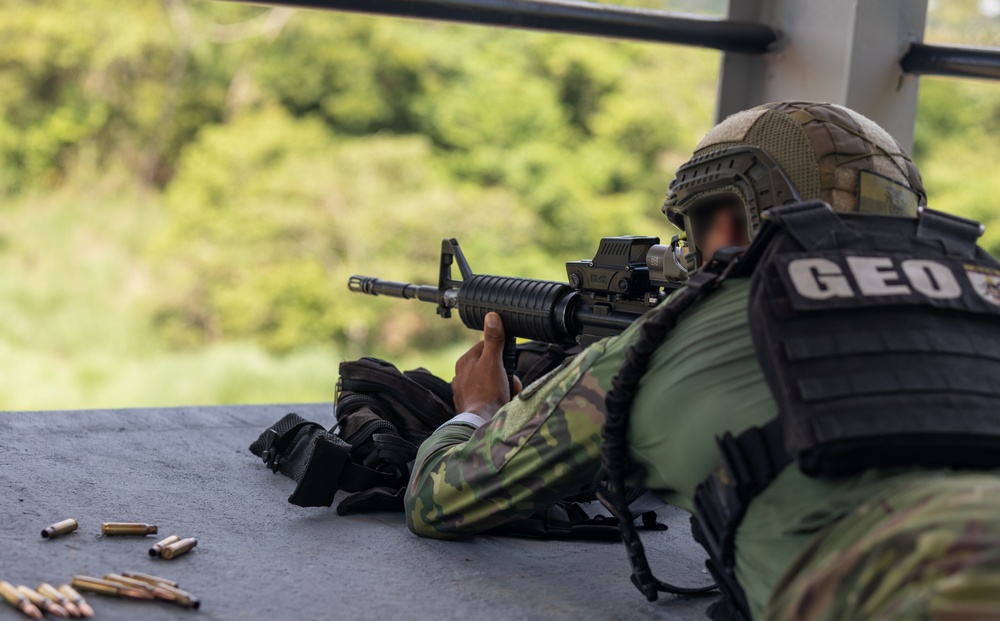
(493,334)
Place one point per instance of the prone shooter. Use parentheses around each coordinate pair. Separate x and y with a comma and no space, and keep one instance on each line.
(832,364)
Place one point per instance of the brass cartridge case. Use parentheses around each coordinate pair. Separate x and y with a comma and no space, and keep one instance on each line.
(157,590)
(182,598)
(77,600)
(9,593)
(162,591)
(44,604)
(58,597)
(19,601)
(177,549)
(34,596)
(131,593)
(60,528)
(95,585)
(128,582)
(128,529)
(155,549)
(135,575)
(104,587)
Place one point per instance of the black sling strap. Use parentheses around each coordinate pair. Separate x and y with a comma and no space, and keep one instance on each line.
(614,452)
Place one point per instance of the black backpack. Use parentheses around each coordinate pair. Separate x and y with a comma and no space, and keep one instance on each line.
(382,416)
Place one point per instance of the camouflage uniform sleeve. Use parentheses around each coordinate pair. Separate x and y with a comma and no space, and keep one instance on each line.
(541,447)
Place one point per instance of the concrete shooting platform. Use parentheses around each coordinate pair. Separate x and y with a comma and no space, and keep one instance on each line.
(188,471)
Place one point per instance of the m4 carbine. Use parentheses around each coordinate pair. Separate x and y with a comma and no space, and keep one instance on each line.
(627,278)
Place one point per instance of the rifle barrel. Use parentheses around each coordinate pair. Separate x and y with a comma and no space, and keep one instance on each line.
(377,286)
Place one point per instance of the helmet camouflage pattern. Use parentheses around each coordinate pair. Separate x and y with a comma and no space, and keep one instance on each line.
(794,151)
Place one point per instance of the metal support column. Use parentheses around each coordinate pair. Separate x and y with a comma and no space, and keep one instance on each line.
(843,51)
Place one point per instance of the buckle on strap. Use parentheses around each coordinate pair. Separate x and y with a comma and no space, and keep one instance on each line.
(718,268)
(276,444)
(271,455)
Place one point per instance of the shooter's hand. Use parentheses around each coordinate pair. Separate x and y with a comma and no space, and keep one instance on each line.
(480,383)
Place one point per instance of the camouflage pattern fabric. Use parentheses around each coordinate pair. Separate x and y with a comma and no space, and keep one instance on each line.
(542,447)
(704,380)
(927,550)
(880,544)
(545,444)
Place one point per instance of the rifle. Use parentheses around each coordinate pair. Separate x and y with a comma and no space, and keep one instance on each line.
(627,278)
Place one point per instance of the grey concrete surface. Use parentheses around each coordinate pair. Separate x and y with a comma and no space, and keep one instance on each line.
(188,470)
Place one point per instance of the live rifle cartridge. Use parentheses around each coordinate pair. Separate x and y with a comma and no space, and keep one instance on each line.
(157,590)
(155,549)
(181,598)
(135,575)
(77,600)
(60,528)
(128,528)
(176,549)
(104,587)
(59,597)
(44,604)
(19,601)
(129,582)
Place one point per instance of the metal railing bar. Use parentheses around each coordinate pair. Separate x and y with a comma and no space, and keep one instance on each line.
(571,16)
(957,61)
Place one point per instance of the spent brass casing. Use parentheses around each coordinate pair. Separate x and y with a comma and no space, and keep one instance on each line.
(131,593)
(44,604)
(162,591)
(19,601)
(95,585)
(132,583)
(128,529)
(77,600)
(150,579)
(176,549)
(155,549)
(182,598)
(60,528)
(104,587)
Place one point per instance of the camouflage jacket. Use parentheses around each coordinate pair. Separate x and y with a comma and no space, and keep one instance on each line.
(545,445)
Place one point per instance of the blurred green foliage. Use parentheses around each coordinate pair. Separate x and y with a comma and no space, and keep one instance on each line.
(187,184)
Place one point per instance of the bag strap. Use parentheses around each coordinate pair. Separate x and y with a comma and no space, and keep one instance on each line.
(322,475)
(748,463)
(324,466)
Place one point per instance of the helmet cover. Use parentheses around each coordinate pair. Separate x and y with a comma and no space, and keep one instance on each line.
(794,151)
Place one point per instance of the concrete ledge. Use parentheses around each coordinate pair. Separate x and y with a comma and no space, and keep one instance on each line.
(188,470)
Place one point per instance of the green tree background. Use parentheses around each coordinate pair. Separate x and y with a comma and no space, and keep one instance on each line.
(186,185)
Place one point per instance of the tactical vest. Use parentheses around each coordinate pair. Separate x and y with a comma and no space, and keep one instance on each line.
(879,338)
